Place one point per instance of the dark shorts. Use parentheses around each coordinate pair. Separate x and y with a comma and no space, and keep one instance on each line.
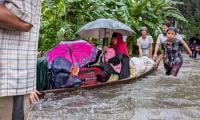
(172,70)
(194,54)
(125,70)
(14,107)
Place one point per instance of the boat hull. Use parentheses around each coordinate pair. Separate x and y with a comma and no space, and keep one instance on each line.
(123,81)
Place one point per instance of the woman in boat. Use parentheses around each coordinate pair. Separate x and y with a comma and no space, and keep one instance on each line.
(171,52)
(145,43)
(121,57)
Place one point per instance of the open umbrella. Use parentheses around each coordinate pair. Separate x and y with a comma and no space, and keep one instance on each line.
(78,52)
(102,28)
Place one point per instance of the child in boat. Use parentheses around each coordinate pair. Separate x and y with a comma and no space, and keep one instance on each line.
(171,52)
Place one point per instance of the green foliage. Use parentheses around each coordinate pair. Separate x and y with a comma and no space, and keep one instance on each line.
(62,18)
(190,9)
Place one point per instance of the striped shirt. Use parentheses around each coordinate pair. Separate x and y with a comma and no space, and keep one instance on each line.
(18,50)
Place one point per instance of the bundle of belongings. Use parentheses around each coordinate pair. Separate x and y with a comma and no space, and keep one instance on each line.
(60,76)
(141,65)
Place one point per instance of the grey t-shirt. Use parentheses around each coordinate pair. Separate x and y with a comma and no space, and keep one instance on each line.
(161,38)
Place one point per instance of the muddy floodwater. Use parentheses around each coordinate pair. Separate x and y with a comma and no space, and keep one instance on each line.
(155,97)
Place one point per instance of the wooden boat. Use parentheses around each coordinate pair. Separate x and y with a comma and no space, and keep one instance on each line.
(123,81)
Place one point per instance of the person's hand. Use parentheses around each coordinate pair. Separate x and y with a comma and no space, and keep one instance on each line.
(155,66)
(34,96)
(154,57)
(150,56)
(74,71)
(104,48)
(38,54)
(26,27)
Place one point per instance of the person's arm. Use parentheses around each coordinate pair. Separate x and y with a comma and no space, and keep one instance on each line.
(160,57)
(140,51)
(155,55)
(151,47)
(11,22)
(150,50)
(157,46)
(139,47)
(186,47)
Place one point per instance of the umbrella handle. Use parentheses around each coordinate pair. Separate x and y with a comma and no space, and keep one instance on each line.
(104,56)
(104,36)
(70,52)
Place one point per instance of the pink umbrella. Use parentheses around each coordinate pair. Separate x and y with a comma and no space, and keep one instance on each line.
(78,52)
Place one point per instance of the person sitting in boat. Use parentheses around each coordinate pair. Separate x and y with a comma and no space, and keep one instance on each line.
(121,57)
(144,43)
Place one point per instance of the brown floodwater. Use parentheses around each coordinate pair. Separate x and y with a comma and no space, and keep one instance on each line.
(155,97)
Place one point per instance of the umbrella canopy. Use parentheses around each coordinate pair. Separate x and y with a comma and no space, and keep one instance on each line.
(78,52)
(102,28)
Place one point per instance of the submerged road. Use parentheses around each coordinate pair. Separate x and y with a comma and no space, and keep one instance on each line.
(155,97)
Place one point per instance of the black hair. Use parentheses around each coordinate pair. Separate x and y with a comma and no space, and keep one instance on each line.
(172,29)
(114,35)
(167,24)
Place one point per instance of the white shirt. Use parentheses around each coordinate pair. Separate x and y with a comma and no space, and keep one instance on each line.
(145,44)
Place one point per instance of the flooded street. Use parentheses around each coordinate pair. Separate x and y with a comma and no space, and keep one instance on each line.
(155,97)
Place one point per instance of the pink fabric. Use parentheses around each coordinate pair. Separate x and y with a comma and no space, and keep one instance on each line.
(110,53)
(78,52)
(120,46)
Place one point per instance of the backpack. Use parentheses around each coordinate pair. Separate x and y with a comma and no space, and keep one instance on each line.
(59,75)
(60,64)
(88,75)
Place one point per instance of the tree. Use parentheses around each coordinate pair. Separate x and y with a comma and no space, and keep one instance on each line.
(190,9)
(62,18)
